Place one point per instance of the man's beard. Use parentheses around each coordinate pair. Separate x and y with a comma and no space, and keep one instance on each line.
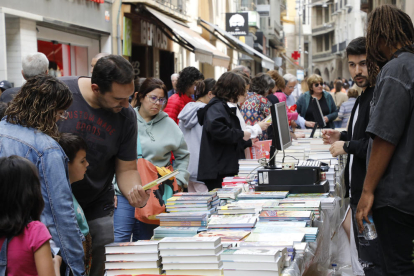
(102,104)
(365,83)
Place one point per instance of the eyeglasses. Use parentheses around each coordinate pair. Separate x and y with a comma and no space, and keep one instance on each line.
(155,99)
(64,115)
(317,84)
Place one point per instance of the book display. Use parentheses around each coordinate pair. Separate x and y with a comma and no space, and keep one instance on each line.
(233,230)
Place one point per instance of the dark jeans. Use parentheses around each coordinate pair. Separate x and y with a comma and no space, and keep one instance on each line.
(396,234)
(125,223)
(369,251)
(146,230)
(102,232)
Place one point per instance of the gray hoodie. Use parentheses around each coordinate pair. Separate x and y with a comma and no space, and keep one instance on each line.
(188,123)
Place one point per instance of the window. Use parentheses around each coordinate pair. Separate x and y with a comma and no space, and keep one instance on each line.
(327,19)
(304,16)
(327,42)
(340,1)
(319,42)
(319,16)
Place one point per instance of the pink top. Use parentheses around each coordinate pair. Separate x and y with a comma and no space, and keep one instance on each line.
(21,249)
(282,98)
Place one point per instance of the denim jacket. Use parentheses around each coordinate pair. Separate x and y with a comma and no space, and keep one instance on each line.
(52,163)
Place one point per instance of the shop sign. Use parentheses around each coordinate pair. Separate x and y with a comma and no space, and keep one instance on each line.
(151,35)
(237,24)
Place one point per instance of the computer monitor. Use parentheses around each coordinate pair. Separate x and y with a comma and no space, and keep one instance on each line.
(281,138)
(317,116)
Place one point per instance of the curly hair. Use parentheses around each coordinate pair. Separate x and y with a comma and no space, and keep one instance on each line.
(279,80)
(37,103)
(261,84)
(187,77)
(229,87)
(391,25)
(149,85)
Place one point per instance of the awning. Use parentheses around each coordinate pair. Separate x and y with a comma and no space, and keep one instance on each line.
(290,60)
(236,44)
(204,51)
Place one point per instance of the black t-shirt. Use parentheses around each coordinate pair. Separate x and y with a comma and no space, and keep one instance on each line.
(108,136)
(392,119)
(9,94)
(324,107)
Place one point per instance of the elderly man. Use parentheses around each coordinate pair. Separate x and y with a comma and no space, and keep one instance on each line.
(290,83)
(32,65)
(174,78)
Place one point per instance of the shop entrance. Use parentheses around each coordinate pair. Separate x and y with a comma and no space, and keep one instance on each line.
(166,67)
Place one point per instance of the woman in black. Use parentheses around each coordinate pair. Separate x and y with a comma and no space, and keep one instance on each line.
(222,138)
(325,99)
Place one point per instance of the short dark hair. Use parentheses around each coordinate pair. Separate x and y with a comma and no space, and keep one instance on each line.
(261,84)
(208,86)
(150,84)
(109,69)
(3,107)
(187,78)
(72,144)
(21,199)
(246,78)
(229,87)
(357,47)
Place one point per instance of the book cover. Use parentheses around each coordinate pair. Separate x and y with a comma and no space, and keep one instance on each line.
(286,214)
(289,238)
(225,235)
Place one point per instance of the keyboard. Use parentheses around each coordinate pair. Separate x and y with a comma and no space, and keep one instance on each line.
(308,164)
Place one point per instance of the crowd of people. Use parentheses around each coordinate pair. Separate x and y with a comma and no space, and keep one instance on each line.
(76,151)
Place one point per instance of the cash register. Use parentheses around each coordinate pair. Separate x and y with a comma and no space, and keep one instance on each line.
(304,177)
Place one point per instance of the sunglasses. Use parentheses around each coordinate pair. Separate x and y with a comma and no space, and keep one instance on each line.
(155,99)
(317,84)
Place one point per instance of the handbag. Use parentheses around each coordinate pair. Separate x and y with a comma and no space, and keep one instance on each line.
(159,194)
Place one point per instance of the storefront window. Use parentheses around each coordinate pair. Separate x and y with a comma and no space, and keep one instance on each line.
(64,59)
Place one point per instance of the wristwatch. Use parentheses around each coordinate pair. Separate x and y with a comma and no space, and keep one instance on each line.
(346,145)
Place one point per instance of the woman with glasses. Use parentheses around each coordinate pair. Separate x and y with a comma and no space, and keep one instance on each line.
(158,137)
(324,98)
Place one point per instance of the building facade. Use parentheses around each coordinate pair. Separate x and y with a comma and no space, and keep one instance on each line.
(68,32)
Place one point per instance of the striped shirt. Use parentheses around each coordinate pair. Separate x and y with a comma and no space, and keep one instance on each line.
(345,111)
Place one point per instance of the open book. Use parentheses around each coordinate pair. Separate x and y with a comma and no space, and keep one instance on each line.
(160,180)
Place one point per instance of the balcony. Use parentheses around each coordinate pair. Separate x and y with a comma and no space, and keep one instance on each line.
(334,48)
(342,45)
(323,29)
(263,10)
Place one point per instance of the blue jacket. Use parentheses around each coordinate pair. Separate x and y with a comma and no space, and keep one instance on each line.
(52,163)
(303,104)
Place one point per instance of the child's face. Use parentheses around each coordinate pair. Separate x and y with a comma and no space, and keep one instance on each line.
(77,167)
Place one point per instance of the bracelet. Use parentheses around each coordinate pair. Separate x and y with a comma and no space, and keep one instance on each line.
(143,206)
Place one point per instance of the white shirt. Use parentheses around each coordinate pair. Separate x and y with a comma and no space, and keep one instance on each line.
(254,130)
(351,156)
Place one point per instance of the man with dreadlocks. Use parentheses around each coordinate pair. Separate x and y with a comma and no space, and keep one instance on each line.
(389,184)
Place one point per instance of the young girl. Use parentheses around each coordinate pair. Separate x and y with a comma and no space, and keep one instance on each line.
(24,240)
(192,131)
(222,138)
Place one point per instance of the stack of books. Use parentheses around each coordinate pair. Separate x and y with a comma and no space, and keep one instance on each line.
(229,194)
(247,221)
(311,233)
(326,201)
(284,239)
(252,262)
(191,219)
(228,236)
(306,216)
(263,195)
(239,207)
(193,202)
(294,205)
(191,256)
(139,257)
(167,231)
(288,251)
